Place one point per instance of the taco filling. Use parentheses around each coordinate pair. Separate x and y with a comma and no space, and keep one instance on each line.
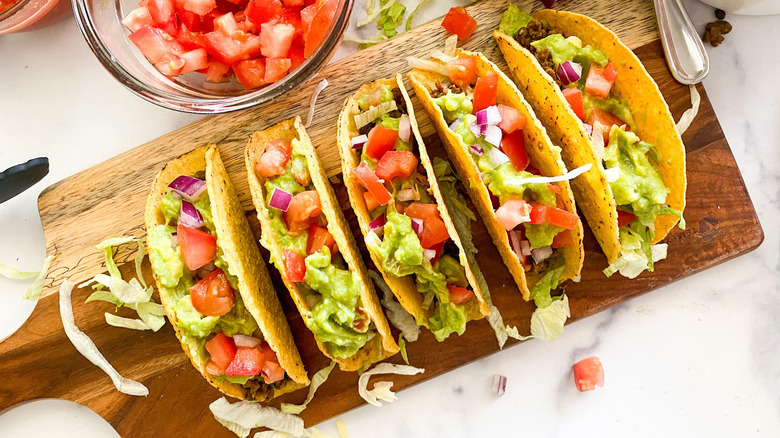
(407,233)
(210,314)
(585,76)
(533,215)
(310,257)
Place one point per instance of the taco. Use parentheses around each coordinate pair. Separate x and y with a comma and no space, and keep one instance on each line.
(213,283)
(312,246)
(399,205)
(499,146)
(602,107)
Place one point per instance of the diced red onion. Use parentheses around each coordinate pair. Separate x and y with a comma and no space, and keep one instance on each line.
(455,124)
(429,254)
(541,254)
(588,128)
(280,199)
(499,384)
(377,223)
(569,72)
(246,341)
(493,135)
(408,194)
(514,240)
(359,141)
(477,149)
(190,216)
(188,186)
(205,270)
(405,128)
(496,157)
(489,116)
(417,226)
(525,247)
(477,129)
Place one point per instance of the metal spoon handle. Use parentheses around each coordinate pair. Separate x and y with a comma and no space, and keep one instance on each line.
(684,50)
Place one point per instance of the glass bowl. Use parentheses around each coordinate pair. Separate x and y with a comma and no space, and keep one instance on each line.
(100,22)
(16,15)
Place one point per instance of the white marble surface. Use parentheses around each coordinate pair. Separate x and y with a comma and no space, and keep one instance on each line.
(698,358)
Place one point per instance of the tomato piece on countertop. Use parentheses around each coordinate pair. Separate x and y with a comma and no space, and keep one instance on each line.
(513,213)
(588,373)
(511,119)
(319,237)
(248,362)
(396,164)
(275,157)
(459,295)
(380,140)
(304,209)
(562,218)
(513,145)
(368,179)
(463,71)
(294,266)
(485,92)
(459,22)
(221,349)
(625,218)
(600,80)
(213,295)
(197,247)
(574,98)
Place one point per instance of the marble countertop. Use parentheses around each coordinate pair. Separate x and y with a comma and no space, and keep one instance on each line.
(698,358)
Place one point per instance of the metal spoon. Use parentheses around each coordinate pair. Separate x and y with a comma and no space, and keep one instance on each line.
(684,50)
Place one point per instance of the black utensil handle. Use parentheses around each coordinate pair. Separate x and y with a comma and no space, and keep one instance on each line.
(21,177)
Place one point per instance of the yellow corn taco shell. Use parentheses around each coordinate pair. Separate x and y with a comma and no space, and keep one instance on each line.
(542,154)
(240,251)
(403,288)
(653,122)
(380,346)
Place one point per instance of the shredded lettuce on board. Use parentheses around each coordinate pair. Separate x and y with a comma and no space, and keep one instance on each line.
(396,314)
(88,349)
(318,379)
(402,346)
(34,291)
(241,417)
(382,390)
(689,114)
(321,86)
(128,323)
(547,322)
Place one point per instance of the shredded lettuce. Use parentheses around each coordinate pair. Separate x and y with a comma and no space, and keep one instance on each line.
(382,390)
(424,64)
(690,113)
(402,346)
(383,6)
(128,323)
(414,13)
(373,113)
(241,417)
(390,18)
(396,314)
(636,256)
(318,379)
(547,322)
(34,291)
(551,179)
(342,428)
(15,274)
(544,286)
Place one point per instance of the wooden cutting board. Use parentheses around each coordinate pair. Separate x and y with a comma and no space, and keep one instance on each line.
(108,201)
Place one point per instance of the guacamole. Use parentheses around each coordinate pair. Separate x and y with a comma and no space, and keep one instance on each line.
(570,49)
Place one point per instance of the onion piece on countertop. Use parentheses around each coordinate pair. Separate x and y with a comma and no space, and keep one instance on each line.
(489,116)
(246,341)
(405,128)
(499,384)
(359,141)
(417,226)
(541,254)
(280,199)
(188,186)
(493,135)
(377,223)
(190,216)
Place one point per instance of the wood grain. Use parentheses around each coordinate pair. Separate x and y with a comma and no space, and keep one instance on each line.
(39,362)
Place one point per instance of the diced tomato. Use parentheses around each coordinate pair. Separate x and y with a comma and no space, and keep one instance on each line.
(293,18)
(459,22)
(262,11)
(598,82)
(217,72)
(229,6)
(370,200)
(213,295)
(247,362)
(588,373)
(368,179)
(625,218)
(555,189)
(276,68)
(463,71)
(197,247)
(138,18)
(272,372)
(513,213)
(251,73)
(155,44)
(222,349)
(226,24)
(562,218)
(511,119)
(439,248)
(513,145)
(171,65)
(276,39)
(380,140)
(320,25)
(296,55)
(396,164)
(433,231)
(485,92)
(459,295)
(534,171)
(231,49)
(563,240)
(319,237)
(194,60)
(160,10)
(239,2)
(200,7)
(607,119)
(538,213)
(303,210)
(574,97)
(307,16)
(275,157)
(294,266)
(291,3)
(190,40)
